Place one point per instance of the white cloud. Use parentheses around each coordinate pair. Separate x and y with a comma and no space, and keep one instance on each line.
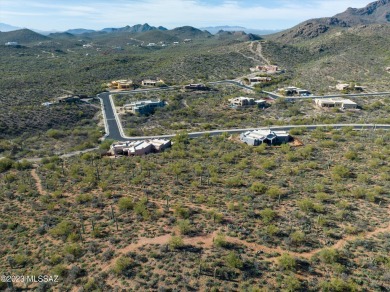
(20,13)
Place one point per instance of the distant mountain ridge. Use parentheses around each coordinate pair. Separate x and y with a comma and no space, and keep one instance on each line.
(377,12)
(216,29)
(131,29)
(136,28)
(6,27)
(79,31)
(22,36)
(144,33)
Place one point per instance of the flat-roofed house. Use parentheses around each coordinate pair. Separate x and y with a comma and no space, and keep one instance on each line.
(197,86)
(261,102)
(151,82)
(342,86)
(266,68)
(68,99)
(160,144)
(260,79)
(144,107)
(12,44)
(337,102)
(138,148)
(121,84)
(258,137)
(241,101)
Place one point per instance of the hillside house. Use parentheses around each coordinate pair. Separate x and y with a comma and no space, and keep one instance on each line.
(292,90)
(342,86)
(259,79)
(138,148)
(67,99)
(261,103)
(121,84)
(258,137)
(335,102)
(197,86)
(144,107)
(151,82)
(265,68)
(241,101)
(12,44)
(345,86)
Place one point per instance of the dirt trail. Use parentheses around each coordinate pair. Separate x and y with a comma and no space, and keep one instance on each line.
(207,241)
(258,51)
(38,182)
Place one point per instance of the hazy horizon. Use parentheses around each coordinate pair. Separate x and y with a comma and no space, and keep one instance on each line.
(48,15)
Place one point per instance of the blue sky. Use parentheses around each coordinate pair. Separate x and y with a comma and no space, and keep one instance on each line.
(97,14)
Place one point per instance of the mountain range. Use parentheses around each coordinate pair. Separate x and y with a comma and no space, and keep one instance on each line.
(119,36)
(140,28)
(216,29)
(375,13)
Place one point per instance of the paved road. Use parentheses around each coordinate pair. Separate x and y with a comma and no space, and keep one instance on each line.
(276,128)
(116,133)
(111,124)
(114,128)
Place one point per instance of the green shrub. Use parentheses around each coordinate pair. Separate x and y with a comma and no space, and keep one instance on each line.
(122,266)
(5,164)
(220,240)
(268,215)
(73,249)
(328,256)
(21,260)
(271,230)
(56,134)
(125,204)
(340,171)
(257,173)
(274,192)
(182,212)
(258,188)
(297,237)
(286,262)
(351,155)
(83,198)
(233,260)
(338,285)
(292,283)
(235,181)
(59,270)
(64,228)
(184,226)
(306,205)
(175,242)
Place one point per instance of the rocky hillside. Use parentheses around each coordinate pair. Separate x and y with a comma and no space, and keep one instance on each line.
(374,13)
